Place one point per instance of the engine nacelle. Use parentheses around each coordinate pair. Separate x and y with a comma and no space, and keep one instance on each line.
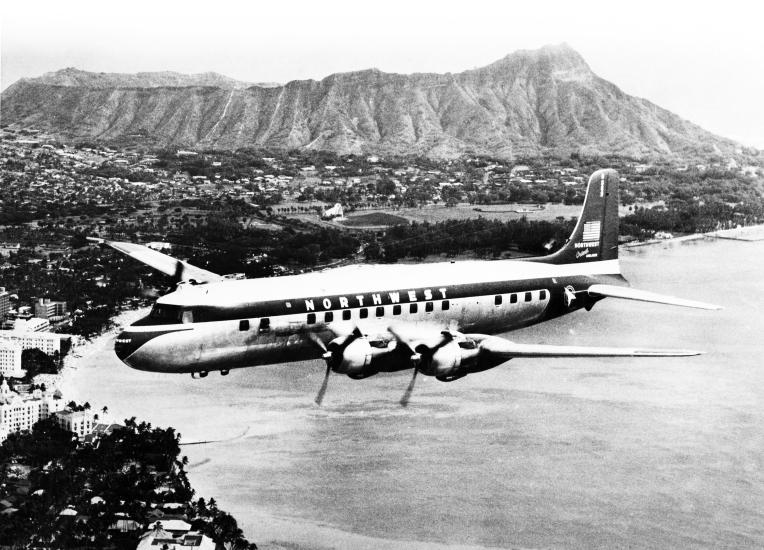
(355,357)
(358,359)
(452,360)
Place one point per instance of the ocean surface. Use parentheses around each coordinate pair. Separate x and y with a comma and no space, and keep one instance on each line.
(556,453)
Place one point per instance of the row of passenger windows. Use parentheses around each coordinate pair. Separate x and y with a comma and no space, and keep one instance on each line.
(514,298)
(379,311)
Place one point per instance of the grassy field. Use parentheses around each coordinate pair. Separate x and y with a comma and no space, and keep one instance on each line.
(375,219)
(384,217)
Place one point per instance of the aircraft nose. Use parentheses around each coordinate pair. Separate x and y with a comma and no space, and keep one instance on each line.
(128,347)
(125,345)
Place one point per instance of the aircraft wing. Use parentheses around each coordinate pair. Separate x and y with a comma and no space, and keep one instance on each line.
(500,348)
(182,271)
(627,293)
(484,349)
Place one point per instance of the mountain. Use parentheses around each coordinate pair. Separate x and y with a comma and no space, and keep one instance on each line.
(77,78)
(529,102)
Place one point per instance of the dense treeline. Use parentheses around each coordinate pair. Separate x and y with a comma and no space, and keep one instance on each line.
(93,282)
(481,237)
(129,470)
(682,216)
(224,246)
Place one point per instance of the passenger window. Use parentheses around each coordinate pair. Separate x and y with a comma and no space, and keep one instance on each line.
(445,305)
(311,318)
(380,312)
(542,295)
(396,310)
(513,298)
(187,317)
(364,313)
(413,308)
(244,324)
(497,300)
(428,307)
(265,325)
(346,315)
(328,317)
(528,297)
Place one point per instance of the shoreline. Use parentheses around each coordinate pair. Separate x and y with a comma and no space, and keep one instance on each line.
(82,355)
(747,233)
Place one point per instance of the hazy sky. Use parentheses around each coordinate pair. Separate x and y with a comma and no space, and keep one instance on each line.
(703,61)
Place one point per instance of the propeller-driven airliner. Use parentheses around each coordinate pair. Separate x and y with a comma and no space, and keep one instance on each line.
(437,319)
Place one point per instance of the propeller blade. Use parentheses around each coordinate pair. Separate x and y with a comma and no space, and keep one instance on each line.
(447,338)
(313,337)
(352,337)
(407,395)
(322,390)
(177,277)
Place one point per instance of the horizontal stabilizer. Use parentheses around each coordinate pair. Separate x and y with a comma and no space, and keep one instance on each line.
(161,262)
(501,348)
(627,293)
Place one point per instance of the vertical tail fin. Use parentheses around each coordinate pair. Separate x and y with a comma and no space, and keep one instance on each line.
(595,237)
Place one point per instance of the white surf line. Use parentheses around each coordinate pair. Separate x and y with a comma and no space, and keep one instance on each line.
(205,441)
(222,116)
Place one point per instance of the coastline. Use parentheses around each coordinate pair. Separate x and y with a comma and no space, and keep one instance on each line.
(83,355)
(748,233)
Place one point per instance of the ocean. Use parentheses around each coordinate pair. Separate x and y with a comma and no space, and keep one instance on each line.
(555,453)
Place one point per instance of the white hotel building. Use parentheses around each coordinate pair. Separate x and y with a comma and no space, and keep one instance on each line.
(49,342)
(10,360)
(19,413)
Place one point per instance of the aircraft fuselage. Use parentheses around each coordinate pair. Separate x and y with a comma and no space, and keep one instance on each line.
(244,323)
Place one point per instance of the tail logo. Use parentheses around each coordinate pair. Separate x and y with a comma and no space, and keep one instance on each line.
(592,231)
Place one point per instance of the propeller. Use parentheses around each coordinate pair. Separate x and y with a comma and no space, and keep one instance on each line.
(322,390)
(177,277)
(327,355)
(420,355)
(410,389)
(332,357)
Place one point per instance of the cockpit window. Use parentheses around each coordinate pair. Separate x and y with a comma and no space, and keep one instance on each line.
(162,314)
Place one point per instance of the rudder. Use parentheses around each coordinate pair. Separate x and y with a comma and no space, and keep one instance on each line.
(595,237)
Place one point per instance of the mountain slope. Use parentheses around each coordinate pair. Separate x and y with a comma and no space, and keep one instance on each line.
(527,103)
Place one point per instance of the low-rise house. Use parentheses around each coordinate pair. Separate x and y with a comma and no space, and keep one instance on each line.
(159,537)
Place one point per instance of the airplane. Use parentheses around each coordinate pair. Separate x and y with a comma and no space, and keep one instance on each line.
(439,319)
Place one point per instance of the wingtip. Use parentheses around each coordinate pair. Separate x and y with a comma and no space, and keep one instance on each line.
(667,353)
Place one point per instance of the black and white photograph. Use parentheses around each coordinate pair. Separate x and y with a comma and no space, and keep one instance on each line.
(381,275)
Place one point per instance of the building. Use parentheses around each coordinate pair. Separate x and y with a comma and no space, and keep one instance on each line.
(45,308)
(19,413)
(49,342)
(6,249)
(159,537)
(335,212)
(33,324)
(80,423)
(10,360)
(5,302)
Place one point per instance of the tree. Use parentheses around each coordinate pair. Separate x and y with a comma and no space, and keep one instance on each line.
(36,361)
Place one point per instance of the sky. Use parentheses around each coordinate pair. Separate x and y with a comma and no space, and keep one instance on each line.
(701,60)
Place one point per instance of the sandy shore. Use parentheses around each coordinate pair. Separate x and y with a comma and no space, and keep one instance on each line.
(749,233)
(84,355)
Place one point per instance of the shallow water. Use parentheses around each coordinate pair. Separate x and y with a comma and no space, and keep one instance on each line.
(535,453)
